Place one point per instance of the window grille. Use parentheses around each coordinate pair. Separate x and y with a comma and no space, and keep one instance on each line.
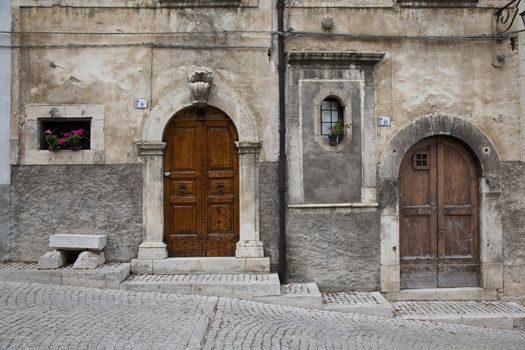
(420,160)
(331,113)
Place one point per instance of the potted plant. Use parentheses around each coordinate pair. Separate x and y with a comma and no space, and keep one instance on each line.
(336,133)
(67,140)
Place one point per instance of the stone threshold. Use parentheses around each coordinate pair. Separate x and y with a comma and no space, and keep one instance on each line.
(491,314)
(200,265)
(451,294)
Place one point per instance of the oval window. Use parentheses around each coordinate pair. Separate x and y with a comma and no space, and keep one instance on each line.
(333,128)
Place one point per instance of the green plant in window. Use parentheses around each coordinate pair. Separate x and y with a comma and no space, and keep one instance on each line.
(339,129)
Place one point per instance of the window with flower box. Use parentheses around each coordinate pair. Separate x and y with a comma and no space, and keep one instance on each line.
(62,134)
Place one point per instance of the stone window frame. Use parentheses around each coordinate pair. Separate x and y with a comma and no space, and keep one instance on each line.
(346,107)
(34,113)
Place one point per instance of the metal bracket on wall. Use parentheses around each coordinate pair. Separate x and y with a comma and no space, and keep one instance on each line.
(506,15)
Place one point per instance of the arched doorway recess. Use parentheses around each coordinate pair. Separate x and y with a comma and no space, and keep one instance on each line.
(438,219)
(152,253)
(490,215)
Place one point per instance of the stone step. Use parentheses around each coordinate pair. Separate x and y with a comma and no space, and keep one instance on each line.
(108,275)
(366,303)
(305,295)
(243,286)
(491,314)
(200,265)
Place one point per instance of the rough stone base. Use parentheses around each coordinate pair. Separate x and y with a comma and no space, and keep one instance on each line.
(269,211)
(6,238)
(100,199)
(52,260)
(89,260)
(339,251)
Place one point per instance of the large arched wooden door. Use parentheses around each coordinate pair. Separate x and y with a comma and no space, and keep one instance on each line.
(201,184)
(438,216)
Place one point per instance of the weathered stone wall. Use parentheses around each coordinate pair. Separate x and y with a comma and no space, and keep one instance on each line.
(5,222)
(111,65)
(513,203)
(98,199)
(269,212)
(422,77)
(128,67)
(338,250)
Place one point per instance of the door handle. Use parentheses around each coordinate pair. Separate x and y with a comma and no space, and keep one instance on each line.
(167,174)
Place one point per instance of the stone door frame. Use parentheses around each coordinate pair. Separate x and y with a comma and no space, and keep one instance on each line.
(151,150)
(490,213)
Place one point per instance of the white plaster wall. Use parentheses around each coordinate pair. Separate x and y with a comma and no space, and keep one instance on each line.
(113,76)
(5,90)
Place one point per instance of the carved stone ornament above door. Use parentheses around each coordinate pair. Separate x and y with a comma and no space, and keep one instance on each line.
(200,85)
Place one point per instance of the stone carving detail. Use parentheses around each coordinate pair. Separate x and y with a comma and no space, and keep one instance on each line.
(200,84)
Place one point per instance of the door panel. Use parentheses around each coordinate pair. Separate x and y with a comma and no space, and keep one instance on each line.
(201,193)
(418,200)
(438,216)
(458,262)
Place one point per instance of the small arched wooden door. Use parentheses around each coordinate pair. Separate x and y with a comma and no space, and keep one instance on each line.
(438,216)
(201,184)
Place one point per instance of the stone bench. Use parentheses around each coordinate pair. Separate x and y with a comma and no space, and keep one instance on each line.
(90,245)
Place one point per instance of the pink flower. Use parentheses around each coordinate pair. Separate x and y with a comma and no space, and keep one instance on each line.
(78,132)
(49,132)
(66,134)
(61,141)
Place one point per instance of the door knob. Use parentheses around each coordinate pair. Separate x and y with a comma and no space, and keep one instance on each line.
(167,174)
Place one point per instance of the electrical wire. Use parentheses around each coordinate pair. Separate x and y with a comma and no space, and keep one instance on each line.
(290,33)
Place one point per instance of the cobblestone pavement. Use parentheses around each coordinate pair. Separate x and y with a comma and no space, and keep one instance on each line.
(34,316)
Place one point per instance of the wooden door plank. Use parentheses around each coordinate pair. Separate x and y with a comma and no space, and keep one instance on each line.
(182,189)
(418,199)
(458,260)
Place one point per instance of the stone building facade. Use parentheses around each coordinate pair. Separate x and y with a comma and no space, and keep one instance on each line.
(394,72)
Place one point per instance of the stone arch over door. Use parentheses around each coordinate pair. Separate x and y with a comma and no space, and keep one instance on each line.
(490,216)
(151,150)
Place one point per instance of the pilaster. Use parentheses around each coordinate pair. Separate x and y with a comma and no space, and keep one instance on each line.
(249,245)
(152,246)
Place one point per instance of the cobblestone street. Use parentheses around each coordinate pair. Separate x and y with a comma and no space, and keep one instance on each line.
(35,316)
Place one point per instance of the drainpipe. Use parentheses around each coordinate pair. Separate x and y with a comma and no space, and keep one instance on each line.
(282,143)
